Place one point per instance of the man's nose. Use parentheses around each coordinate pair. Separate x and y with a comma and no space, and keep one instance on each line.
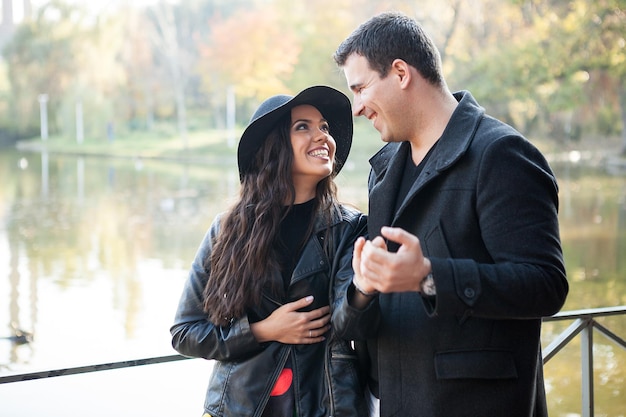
(357,106)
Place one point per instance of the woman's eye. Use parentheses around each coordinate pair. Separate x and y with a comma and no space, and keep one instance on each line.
(325,128)
(301,126)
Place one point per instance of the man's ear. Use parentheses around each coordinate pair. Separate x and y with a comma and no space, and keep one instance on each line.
(401,70)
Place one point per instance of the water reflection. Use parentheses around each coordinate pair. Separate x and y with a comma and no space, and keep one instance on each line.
(93,254)
(87,245)
(593,232)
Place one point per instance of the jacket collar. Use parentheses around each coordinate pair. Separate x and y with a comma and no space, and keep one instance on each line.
(321,220)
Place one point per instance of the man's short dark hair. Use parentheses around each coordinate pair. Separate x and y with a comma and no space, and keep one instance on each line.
(389,36)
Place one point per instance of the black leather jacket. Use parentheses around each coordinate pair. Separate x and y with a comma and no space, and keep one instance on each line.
(326,380)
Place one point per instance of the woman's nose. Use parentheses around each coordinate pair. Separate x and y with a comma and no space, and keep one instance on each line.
(321,135)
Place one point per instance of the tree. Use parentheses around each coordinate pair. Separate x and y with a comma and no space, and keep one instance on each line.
(546,62)
(249,51)
(40,60)
(142,75)
(61,53)
(166,38)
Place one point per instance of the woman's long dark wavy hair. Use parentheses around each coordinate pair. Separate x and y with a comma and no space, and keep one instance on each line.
(243,256)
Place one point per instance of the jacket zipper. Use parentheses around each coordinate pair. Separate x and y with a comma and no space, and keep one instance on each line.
(270,299)
(282,363)
(329,380)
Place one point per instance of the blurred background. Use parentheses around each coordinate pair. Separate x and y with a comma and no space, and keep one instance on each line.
(118,130)
(554,69)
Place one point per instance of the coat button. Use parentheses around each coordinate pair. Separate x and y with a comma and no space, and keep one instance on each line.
(469,292)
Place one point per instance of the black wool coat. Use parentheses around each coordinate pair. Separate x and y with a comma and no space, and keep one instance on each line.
(485,210)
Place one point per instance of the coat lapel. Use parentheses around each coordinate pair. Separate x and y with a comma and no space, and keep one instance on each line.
(388,164)
(387,169)
(458,136)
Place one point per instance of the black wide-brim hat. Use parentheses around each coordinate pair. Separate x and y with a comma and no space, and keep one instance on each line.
(333,104)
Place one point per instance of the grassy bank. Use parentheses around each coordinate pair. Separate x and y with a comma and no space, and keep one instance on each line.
(200,146)
(195,146)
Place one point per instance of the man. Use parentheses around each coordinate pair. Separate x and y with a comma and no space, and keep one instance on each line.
(465,255)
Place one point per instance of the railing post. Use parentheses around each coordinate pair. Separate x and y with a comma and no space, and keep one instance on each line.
(586,357)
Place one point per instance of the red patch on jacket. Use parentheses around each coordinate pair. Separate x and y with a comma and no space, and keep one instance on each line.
(282,383)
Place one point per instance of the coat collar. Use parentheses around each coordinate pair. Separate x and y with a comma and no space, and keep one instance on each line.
(388,164)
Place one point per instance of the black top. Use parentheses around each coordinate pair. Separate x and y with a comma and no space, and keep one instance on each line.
(292,235)
(411,172)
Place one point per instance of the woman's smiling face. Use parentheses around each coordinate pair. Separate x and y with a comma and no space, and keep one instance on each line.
(313,146)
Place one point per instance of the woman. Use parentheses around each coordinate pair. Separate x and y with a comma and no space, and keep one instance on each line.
(260,291)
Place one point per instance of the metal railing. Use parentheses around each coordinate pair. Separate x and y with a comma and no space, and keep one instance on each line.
(584,324)
(89,368)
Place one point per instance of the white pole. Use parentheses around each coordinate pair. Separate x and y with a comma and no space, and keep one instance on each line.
(43,113)
(230,115)
(80,179)
(45,173)
(80,135)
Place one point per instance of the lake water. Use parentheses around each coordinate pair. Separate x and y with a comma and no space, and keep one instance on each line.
(94,253)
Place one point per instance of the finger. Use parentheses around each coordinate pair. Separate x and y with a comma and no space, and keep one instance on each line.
(317,332)
(360,241)
(373,258)
(298,304)
(400,236)
(311,340)
(379,242)
(372,247)
(317,313)
(356,255)
(320,322)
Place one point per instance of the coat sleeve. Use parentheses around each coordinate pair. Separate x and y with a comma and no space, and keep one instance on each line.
(517,214)
(348,322)
(192,333)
